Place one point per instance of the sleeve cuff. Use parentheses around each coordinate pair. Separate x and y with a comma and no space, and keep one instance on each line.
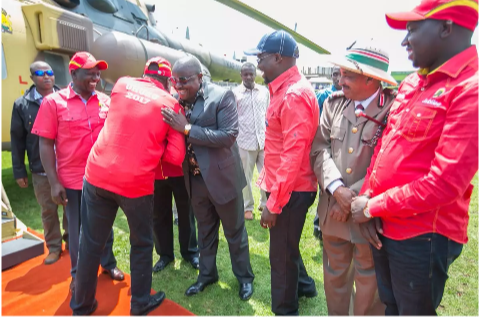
(271,207)
(335,185)
(376,206)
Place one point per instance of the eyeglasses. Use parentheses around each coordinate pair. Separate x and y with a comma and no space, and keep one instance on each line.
(182,80)
(42,73)
(263,57)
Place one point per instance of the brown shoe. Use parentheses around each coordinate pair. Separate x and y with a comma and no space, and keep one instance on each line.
(52,258)
(115,273)
(248,215)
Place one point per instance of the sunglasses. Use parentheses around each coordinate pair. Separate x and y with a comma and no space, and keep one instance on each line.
(42,73)
(182,80)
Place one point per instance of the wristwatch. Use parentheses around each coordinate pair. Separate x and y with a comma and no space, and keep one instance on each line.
(186,131)
(366,212)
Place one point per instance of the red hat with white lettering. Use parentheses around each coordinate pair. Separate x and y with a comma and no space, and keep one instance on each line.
(461,12)
(87,61)
(164,67)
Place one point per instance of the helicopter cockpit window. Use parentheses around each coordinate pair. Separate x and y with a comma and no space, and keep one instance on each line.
(4,65)
(58,64)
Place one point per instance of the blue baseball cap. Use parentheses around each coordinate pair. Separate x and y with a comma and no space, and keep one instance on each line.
(279,42)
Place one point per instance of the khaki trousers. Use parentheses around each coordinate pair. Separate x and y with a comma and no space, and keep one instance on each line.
(343,264)
(249,160)
(50,220)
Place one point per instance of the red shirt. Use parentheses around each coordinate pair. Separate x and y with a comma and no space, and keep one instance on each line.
(165,170)
(420,174)
(134,139)
(75,126)
(292,120)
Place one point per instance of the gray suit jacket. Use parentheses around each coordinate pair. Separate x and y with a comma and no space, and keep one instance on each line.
(213,136)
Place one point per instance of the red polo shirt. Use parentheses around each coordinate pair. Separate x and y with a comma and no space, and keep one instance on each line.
(420,174)
(134,139)
(291,120)
(75,126)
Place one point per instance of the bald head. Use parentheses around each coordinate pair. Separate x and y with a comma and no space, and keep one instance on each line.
(39,65)
(188,63)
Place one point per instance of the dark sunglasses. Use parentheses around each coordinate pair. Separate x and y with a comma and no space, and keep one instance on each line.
(42,73)
(182,80)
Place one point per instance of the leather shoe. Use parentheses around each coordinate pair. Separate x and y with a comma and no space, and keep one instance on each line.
(307,293)
(198,287)
(52,258)
(155,301)
(246,291)
(115,273)
(160,265)
(195,263)
(89,312)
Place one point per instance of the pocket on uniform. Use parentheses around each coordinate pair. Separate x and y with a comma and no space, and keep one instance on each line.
(418,123)
(74,125)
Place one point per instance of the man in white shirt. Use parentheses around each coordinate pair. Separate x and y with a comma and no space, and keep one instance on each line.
(252,102)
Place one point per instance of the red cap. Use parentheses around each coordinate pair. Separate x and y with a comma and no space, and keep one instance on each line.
(87,61)
(461,12)
(164,67)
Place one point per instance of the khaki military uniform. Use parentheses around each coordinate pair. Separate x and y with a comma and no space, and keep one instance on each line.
(342,149)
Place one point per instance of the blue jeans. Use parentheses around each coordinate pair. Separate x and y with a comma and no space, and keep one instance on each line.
(411,274)
(99,208)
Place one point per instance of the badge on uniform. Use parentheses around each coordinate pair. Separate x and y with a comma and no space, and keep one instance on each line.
(439,92)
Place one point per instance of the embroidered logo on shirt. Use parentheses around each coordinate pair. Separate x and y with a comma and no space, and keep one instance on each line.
(431,102)
(439,92)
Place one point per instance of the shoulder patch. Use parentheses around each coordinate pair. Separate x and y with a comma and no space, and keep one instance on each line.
(336,94)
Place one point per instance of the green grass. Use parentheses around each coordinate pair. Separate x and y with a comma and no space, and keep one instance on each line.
(460,299)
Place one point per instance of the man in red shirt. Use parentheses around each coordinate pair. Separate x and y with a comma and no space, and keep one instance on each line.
(120,172)
(287,178)
(418,183)
(169,181)
(68,123)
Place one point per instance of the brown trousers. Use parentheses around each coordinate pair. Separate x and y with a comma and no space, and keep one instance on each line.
(50,220)
(343,264)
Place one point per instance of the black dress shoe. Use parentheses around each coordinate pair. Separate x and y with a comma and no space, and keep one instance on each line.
(307,293)
(160,265)
(246,291)
(195,263)
(89,312)
(115,273)
(155,301)
(198,287)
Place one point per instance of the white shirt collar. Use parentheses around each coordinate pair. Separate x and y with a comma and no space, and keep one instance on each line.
(367,101)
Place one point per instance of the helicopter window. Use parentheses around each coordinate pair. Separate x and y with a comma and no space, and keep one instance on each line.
(57,62)
(4,65)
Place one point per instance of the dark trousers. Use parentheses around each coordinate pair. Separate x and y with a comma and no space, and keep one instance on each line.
(74,217)
(411,274)
(288,273)
(208,215)
(163,223)
(99,208)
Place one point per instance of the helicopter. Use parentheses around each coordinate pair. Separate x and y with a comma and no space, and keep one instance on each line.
(122,32)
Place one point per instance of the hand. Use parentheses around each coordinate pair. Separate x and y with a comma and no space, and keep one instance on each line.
(59,195)
(22,182)
(268,219)
(344,197)
(176,120)
(358,204)
(369,231)
(338,214)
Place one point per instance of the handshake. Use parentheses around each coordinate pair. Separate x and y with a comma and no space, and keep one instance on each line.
(347,202)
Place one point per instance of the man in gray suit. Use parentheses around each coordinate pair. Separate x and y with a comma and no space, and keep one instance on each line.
(213,172)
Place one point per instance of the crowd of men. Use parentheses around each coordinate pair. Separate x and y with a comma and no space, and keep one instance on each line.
(393,170)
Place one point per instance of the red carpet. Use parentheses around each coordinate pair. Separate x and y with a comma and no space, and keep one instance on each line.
(35,289)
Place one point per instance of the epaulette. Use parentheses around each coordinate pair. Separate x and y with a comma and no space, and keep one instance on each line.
(386,92)
(336,94)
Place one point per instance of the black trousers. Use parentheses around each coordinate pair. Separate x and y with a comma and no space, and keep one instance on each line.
(288,273)
(208,215)
(163,220)
(411,274)
(99,208)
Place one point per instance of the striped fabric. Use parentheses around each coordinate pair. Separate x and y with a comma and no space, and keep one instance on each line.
(369,57)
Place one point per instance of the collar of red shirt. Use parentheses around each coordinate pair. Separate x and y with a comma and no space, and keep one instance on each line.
(454,66)
(155,82)
(280,80)
(72,93)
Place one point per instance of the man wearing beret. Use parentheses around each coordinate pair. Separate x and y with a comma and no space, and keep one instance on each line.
(419,180)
